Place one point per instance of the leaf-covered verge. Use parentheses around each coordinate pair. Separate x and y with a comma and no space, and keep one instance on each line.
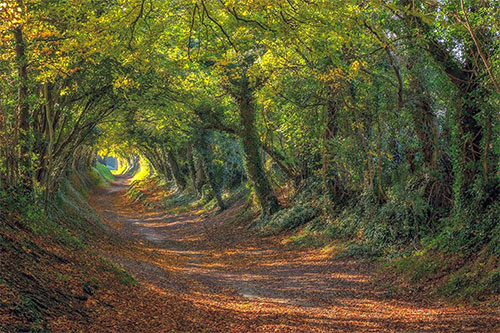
(51,278)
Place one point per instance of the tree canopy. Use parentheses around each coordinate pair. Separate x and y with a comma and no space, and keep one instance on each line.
(383,112)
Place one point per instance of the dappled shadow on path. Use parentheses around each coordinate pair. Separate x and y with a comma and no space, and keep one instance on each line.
(256,284)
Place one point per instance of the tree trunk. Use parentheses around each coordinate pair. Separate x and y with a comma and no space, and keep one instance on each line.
(424,119)
(331,181)
(204,149)
(176,171)
(24,116)
(463,75)
(50,139)
(200,175)
(190,161)
(164,165)
(251,149)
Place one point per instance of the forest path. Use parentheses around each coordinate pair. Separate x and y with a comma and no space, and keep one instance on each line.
(236,281)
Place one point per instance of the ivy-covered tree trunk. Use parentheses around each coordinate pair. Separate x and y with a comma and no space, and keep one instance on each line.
(424,118)
(331,181)
(468,132)
(204,149)
(190,162)
(176,171)
(469,128)
(49,158)
(165,166)
(200,175)
(251,149)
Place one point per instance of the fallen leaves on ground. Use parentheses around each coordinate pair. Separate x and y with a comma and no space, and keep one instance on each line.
(209,274)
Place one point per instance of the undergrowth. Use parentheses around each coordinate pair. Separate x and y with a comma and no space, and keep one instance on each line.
(157,193)
(286,219)
(425,246)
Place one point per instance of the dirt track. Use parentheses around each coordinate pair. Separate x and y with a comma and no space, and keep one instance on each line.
(256,284)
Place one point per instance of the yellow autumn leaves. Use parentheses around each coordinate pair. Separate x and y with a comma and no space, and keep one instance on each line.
(10,15)
(336,75)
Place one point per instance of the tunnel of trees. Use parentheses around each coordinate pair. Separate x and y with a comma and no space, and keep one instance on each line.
(377,119)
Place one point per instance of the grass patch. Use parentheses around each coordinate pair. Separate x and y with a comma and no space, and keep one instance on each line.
(359,250)
(303,239)
(180,202)
(121,275)
(104,172)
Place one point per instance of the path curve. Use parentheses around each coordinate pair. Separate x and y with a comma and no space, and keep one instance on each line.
(220,265)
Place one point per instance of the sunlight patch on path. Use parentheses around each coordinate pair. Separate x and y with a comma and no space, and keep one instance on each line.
(255,284)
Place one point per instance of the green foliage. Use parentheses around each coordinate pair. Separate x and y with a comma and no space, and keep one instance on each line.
(360,250)
(104,172)
(121,275)
(67,220)
(179,202)
(471,282)
(449,274)
(72,211)
(402,221)
(470,231)
(42,225)
(311,235)
(30,311)
(286,219)
(420,267)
